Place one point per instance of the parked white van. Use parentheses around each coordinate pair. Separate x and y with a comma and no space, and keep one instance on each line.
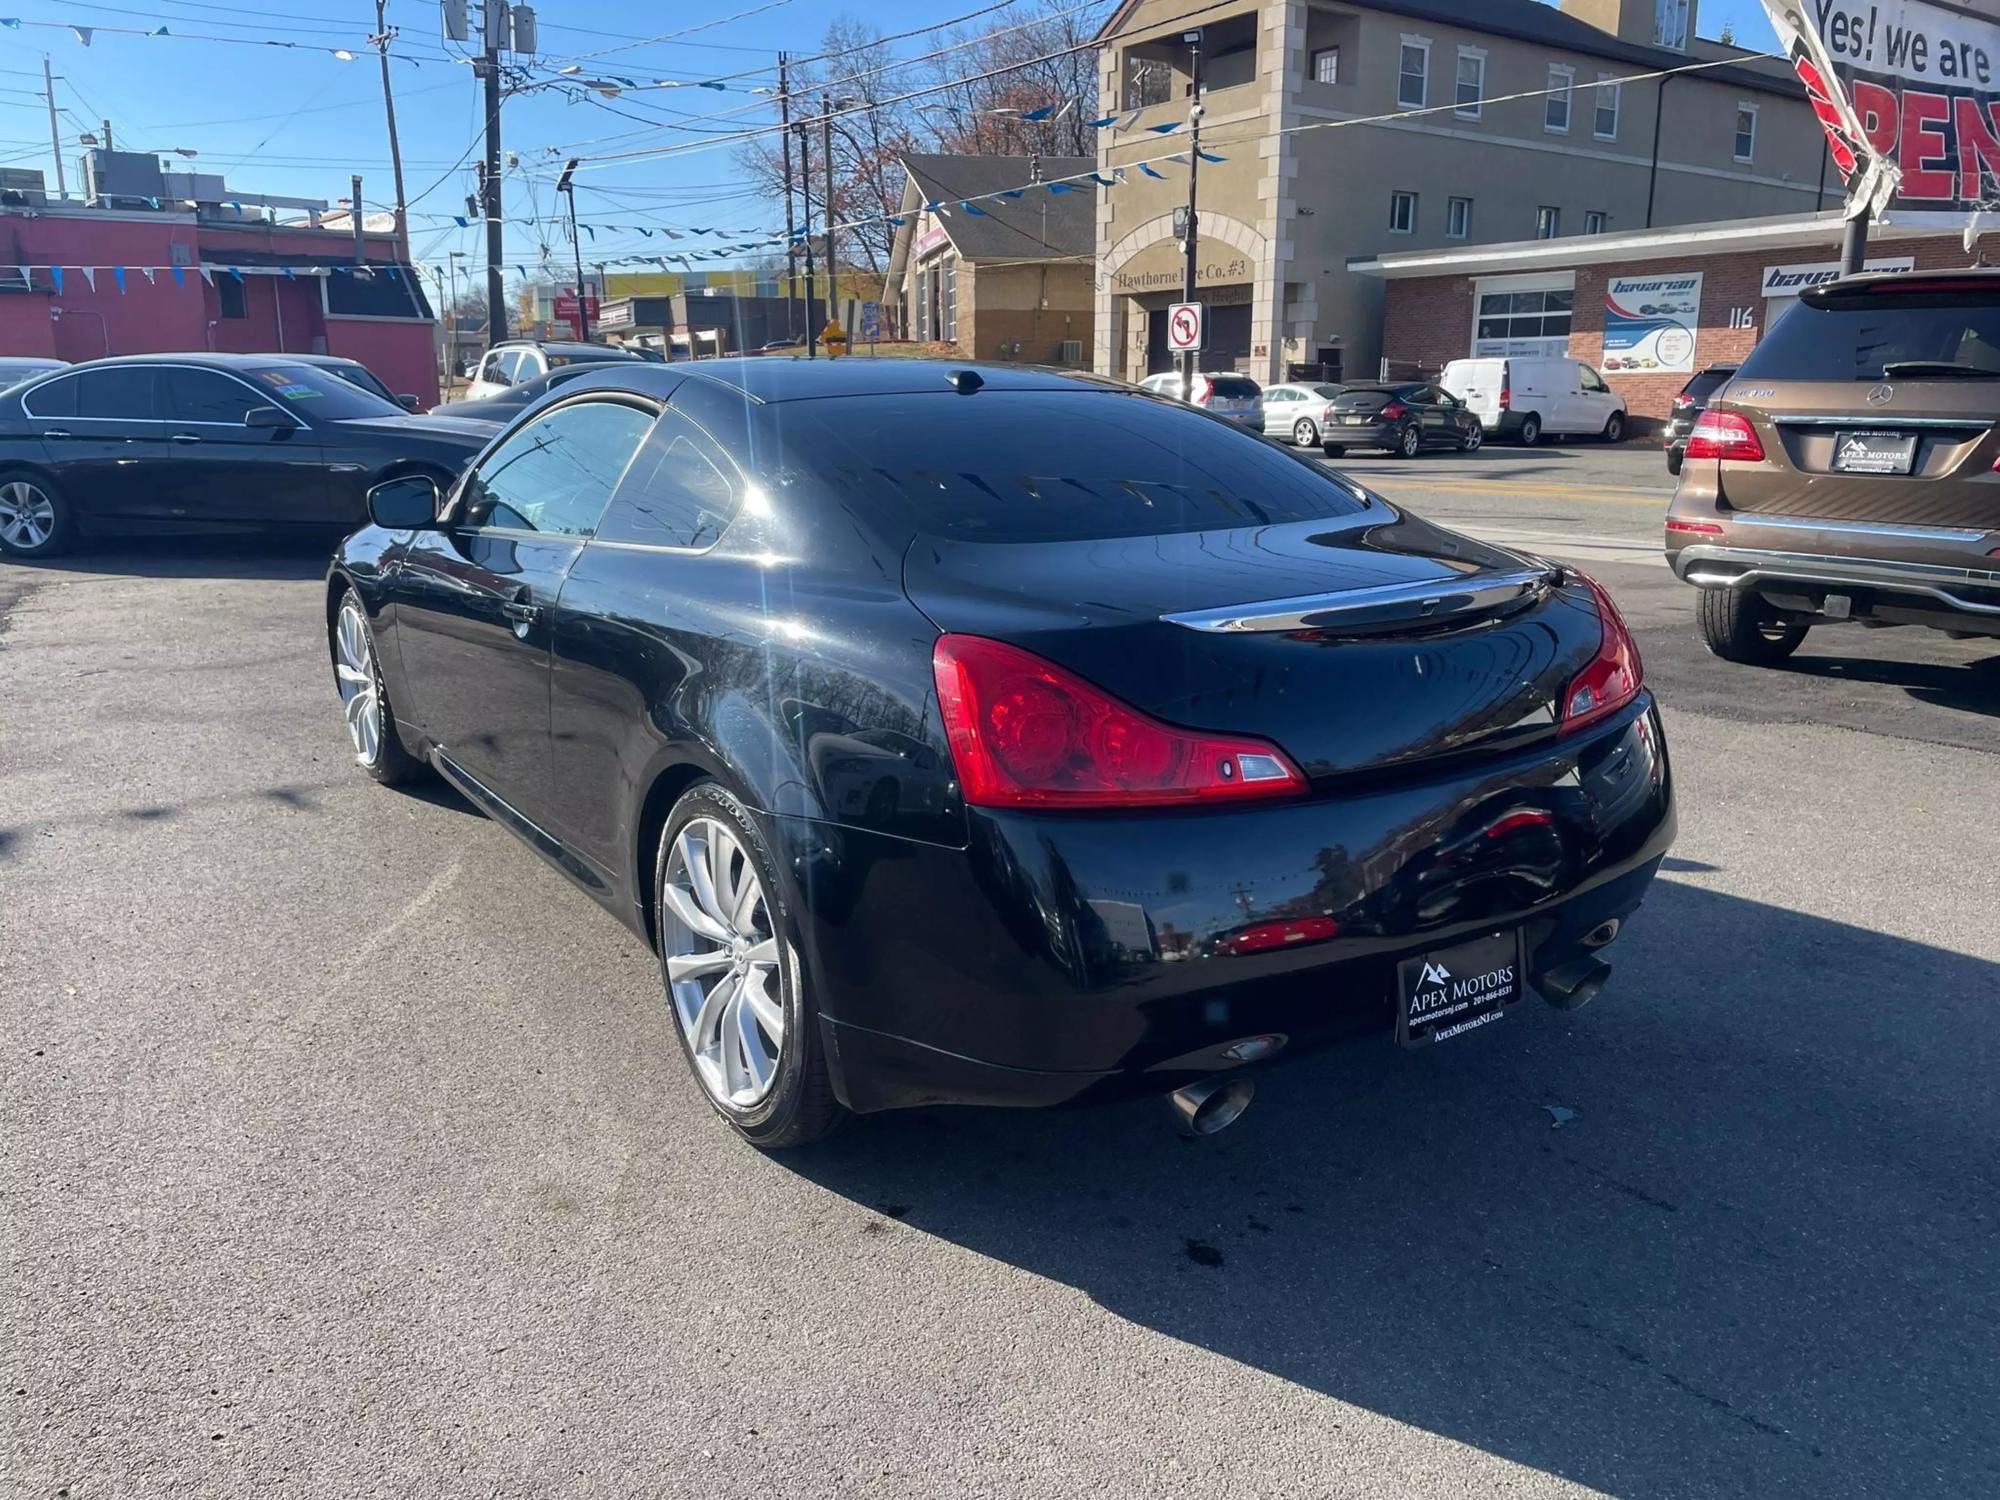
(1526,398)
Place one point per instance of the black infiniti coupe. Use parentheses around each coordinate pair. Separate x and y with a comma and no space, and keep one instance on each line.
(990,735)
(174,442)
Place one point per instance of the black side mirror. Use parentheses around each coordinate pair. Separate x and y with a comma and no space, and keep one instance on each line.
(268,419)
(408,401)
(409,503)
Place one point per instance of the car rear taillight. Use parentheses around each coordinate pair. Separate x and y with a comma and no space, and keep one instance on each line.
(1724,434)
(1701,528)
(1026,733)
(1392,411)
(1612,679)
(1506,398)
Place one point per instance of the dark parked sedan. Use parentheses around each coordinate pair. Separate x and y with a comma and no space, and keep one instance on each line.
(1405,419)
(1688,407)
(502,408)
(983,735)
(167,442)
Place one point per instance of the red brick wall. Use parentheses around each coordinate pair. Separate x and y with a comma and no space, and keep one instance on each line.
(1430,319)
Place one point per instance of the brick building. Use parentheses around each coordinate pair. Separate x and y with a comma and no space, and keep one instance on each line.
(1012,281)
(1555,297)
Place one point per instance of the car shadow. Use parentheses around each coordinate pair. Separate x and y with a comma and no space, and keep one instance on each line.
(1727,1231)
(1969,686)
(251,555)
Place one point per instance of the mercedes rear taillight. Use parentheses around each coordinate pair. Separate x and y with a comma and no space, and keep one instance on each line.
(1725,434)
(1026,733)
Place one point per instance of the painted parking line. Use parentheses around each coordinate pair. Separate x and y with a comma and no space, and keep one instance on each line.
(1564,544)
(1593,494)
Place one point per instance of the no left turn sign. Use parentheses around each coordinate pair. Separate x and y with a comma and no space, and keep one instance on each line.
(1184,326)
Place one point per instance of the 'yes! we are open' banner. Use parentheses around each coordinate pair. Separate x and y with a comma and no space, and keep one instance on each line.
(1909,93)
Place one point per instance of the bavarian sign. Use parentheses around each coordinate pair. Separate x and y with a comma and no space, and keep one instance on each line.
(1908,92)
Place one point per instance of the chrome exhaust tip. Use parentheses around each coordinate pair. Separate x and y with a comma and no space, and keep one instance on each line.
(1575,984)
(1212,1105)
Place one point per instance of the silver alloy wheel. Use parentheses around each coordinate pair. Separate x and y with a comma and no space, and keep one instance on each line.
(1412,441)
(1473,438)
(27,515)
(354,668)
(1305,434)
(722,963)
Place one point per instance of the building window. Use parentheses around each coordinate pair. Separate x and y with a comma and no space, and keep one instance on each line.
(1746,132)
(1555,109)
(1326,65)
(1509,317)
(1402,213)
(229,297)
(1548,222)
(1595,221)
(1471,82)
(1670,24)
(1148,81)
(1413,77)
(951,302)
(1458,219)
(1604,124)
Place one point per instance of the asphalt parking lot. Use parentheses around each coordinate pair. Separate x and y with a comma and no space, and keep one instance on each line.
(348,1151)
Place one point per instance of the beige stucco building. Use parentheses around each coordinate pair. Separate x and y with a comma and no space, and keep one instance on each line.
(1350,128)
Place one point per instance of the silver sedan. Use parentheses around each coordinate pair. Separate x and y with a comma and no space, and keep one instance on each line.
(1298,413)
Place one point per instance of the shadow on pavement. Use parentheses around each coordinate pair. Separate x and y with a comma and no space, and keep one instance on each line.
(1758,1259)
(1970,686)
(275,555)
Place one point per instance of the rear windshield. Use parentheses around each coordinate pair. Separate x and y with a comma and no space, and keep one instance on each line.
(1704,385)
(319,393)
(1234,387)
(1045,466)
(1943,337)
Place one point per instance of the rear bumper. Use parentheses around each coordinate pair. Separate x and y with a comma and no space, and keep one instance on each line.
(1365,435)
(1968,590)
(1065,959)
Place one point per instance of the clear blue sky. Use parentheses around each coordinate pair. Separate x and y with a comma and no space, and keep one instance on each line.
(297,120)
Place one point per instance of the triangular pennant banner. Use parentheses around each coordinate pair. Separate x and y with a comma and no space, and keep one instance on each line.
(1147,168)
(55,275)
(207,274)
(118,275)
(1038,114)
(180,277)
(89,276)
(150,279)
(83,34)
(1167,129)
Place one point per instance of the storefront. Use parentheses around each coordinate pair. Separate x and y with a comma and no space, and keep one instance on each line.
(1647,309)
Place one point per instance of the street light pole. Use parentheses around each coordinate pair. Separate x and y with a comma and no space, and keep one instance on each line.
(381,40)
(806,192)
(567,188)
(1191,246)
(489,197)
(791,226)
(832,265)
(55,135)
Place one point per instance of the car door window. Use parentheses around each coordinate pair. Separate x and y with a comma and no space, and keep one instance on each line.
(208,397)
(500,368)
(555,474)
(118,393)
(682,490)
(1592,381)
(53,398)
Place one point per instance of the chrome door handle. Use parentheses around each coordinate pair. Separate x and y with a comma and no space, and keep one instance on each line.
(184,437)
(56,432)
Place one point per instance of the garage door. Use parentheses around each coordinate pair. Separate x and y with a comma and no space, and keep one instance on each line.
(1227,345)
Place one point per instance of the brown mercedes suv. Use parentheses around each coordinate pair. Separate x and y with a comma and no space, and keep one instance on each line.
(1848,471)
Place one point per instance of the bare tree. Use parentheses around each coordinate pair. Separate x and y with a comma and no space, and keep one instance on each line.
(1048,64)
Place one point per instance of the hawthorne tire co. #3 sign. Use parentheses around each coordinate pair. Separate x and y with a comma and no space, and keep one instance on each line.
(1649,323)
(1908,92)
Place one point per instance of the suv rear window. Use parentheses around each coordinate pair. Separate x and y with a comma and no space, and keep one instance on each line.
(1234,387)
(1942,337)
(1708,381)
(1048,466)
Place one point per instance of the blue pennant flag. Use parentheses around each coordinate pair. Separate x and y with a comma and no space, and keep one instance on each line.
(521,268)
(1167,129)
(893,220)
(152,203)
(1062,187)
(55,275)
(1038,114)
(972,208)
(1102,181)
(392,273)
(118,275)
(1014,193)
(162,31)
(461,221)
(934,205)
(1210,156)
(236,204)
(1100,122)
(721,88)
(589,231)
(1147,168)
(237,273)
(289,276)
(180,276)
(643,230)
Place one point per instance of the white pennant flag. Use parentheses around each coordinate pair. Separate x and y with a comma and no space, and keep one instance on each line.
(208,275)
(149,275)
(89,275)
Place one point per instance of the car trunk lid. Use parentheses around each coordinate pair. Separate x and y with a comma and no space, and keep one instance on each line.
(1361,644)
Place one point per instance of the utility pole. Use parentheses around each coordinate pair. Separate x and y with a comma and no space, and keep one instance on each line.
(107,137)
(567,187)
(489,202)
(354,212)
(55,135)
(806,191)
(832,264)
(381,40)
(791,250)
(1191,245)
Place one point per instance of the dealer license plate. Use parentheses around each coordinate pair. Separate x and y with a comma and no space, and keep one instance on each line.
(1450,991)
(1874,452)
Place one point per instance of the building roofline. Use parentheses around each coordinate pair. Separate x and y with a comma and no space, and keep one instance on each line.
(1786,231)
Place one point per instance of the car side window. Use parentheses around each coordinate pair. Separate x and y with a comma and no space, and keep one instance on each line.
(500,367)
(682,490)
(53,398)
(205,396)
(1421,395)
(116,391)
(1592,381)
(556,474)
(1443,397)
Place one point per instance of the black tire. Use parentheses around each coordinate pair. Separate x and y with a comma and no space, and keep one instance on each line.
(1530,432)
(1409,442)
(1334,450)
(37,497)
(1741,626)
(1304,433)
(800,1105)
(390,761)
(1614,427)
(1473,440)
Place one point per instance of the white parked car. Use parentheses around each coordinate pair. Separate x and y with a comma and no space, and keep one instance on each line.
(1527,398)
(1299,412)
(515,361)
(1223,392)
